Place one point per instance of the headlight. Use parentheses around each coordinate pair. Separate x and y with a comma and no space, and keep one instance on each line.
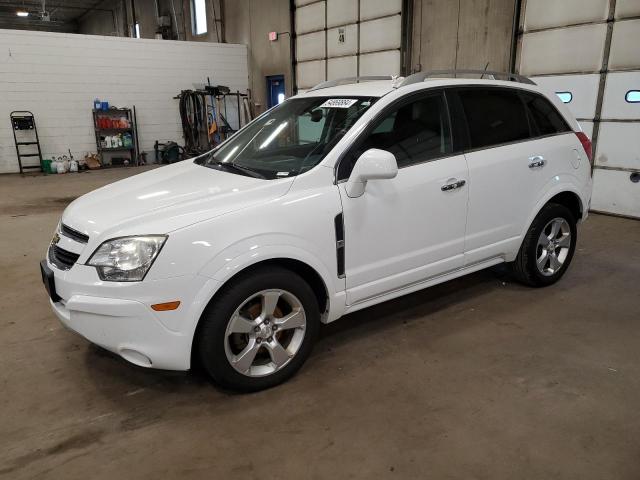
(126,259)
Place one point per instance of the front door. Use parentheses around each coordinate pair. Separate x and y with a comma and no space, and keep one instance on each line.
(410,228)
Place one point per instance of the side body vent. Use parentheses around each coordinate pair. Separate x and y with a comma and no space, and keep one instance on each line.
(339,227)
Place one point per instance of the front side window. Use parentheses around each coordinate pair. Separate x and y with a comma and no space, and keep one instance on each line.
(494,116)
(415,132)
(290,139)
(546,118)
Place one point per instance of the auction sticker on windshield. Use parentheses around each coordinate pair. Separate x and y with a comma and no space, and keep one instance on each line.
(338,103)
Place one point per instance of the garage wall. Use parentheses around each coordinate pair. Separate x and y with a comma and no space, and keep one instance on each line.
(57,76)
(249,22)
(346,38)
(449,34)
(588,49)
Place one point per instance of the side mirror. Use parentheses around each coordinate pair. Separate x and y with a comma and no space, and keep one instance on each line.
(374,164)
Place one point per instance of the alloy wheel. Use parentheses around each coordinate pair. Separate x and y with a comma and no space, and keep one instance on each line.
(265,332)
(553,246)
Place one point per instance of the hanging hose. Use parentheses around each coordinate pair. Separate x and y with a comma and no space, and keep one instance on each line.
(193,115)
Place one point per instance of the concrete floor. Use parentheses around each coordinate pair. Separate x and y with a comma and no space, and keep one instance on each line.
(477,378)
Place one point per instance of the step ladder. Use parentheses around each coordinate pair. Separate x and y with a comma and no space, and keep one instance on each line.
(25,123)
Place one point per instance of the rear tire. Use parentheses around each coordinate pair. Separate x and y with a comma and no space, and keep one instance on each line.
(547,248)
(259,330)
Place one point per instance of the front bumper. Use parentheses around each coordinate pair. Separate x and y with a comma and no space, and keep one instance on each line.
(118,316)
(127,328)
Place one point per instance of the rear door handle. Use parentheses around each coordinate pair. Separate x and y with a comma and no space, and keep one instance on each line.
(453,185)
(537,162)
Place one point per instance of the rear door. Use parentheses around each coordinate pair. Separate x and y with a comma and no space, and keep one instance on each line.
(509,165)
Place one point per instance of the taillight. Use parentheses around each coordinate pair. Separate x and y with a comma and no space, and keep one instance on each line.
(586,144)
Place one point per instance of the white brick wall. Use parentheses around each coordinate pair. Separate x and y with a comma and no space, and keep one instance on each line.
(57,76)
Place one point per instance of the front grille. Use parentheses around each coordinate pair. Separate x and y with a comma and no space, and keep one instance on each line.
(61,258)
(73,234)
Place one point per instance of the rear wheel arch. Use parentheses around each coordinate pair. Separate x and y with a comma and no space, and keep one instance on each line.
(570,200)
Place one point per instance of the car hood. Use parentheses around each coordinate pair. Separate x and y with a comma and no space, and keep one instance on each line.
(166,199)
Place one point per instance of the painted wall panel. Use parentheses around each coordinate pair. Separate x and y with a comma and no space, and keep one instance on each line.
(310,46)
(627,8)
(625,45)
(587,127)
(614,192)
(566,50)
(381,63)
(584,89)
(300,3)
(554,13)
(309,74)
(57,76)
(377,8)
(619,145)
(614,104)
(381,34)
(484,34)
(310,18)
(435,35)
(341,12)
(342,67)
(349,45)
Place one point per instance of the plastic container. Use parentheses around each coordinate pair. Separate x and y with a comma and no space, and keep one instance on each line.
(97,104)
(105,106)
(60,166)
(46,165)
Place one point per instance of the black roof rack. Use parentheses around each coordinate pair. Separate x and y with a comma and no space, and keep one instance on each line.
(348,80)
(490,75)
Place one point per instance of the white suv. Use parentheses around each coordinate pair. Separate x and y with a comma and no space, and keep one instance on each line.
(338,199)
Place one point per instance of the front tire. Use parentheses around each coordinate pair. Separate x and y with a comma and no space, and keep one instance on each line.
(259,330)
(548,247)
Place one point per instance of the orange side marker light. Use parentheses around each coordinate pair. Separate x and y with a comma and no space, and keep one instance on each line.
(164,307)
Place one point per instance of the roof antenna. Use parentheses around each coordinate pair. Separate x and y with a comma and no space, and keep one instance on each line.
(485,69)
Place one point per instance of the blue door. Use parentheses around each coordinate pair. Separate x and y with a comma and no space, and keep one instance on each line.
(275,90)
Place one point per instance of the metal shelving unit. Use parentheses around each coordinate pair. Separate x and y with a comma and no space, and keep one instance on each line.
(103,132)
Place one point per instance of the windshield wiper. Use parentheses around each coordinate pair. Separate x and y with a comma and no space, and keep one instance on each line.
(243,170)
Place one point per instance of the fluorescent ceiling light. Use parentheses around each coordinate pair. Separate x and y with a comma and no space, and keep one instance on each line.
(22,13)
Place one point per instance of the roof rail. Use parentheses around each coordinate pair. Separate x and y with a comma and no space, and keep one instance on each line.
(422,76)
(348,80)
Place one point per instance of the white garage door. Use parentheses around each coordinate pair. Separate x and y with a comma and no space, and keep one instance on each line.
(587,52)
(346,38)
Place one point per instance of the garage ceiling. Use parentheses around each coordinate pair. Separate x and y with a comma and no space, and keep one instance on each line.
(63,14)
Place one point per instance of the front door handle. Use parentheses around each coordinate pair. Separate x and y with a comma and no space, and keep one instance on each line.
(537,162)
(453,185)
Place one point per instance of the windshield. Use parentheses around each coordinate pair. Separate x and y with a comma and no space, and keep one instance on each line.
(289,139)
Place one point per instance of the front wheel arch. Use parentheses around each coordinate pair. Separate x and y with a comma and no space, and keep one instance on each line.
(308,273)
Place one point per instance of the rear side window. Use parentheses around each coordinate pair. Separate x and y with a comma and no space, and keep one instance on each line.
(546,118)
(494,116)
